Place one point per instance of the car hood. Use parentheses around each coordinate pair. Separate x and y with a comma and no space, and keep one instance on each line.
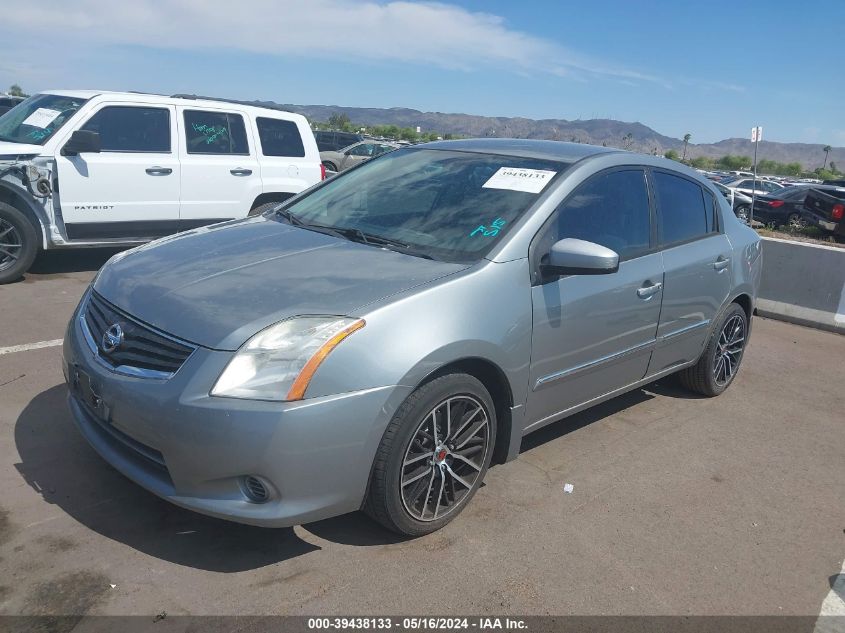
(18,149)
(217,286)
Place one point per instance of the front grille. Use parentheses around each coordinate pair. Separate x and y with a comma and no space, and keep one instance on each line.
(142,347)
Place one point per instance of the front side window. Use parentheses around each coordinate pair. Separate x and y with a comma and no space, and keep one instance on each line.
(610,209)
(279,138)
(682,213)
(364,149)
(215,133)
(37,119)
(447,205)
(131,129)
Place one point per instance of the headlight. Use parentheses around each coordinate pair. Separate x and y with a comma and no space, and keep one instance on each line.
(278,362)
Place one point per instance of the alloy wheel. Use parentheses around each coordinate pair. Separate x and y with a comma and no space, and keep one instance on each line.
(729,350)
(444,458)
(795,222)
(11,244)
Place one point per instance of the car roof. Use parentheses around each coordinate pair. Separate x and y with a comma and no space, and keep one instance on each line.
(178,99)
(528,148)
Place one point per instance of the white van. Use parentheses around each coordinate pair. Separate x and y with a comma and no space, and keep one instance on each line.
(89,168)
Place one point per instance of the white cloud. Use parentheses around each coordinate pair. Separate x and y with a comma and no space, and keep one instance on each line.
(435,34)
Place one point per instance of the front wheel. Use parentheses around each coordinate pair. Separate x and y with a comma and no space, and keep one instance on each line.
(719,364)
(18,243)
(433,455)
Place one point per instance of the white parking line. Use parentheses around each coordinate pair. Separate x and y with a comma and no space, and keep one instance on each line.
(832,615)
(29,346)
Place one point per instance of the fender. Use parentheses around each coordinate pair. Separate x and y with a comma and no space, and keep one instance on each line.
(15,194)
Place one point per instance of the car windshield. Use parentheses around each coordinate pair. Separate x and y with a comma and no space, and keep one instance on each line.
(443,204)
(36,119)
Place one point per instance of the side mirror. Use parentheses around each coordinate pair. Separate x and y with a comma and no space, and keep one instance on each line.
(570,256)
(80,142)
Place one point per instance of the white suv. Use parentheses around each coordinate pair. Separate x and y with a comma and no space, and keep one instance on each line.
(88,168)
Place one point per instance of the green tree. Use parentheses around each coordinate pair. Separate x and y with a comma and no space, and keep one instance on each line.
(826,149)
(671,155)
(701,162)
(833,167)
(687,137)
(16,91)
(627,140)
(339,121)
(731,162)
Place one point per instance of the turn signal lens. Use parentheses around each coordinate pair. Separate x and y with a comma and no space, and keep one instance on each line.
(297,390)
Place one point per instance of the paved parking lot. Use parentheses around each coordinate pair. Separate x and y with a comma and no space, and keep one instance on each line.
(681,505)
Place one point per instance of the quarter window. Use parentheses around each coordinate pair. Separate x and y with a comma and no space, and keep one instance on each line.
(682,213)
(364,149)
(279,138)
(610,209)
(215,133)
(131,129)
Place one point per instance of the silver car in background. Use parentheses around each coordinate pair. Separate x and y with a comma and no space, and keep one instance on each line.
(377,341)
(355,154)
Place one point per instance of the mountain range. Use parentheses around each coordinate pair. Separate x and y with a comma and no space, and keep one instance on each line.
(595,131)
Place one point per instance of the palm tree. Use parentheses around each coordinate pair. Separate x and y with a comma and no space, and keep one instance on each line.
(826,149)
(687,137)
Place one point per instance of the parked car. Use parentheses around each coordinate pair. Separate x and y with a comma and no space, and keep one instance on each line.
(376,342)
(355,154)
(7,102)
(837,183)
(739,202)
(825,208)
(785,207)
(746,186)
(332,141)
(133,167)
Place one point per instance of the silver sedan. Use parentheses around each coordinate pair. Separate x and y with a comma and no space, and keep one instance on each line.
(377,341)
(355,154)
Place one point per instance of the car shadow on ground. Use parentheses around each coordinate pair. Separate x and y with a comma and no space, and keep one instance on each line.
(73,260)
(59,464)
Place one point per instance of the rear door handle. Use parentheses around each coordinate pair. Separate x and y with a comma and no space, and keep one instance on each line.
(648,291)
(721,263)
(240,172)
(159,171)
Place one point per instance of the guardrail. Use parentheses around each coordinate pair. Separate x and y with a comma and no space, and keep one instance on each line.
(803,283)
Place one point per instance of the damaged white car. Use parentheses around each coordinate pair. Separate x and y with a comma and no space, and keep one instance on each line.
(91,168)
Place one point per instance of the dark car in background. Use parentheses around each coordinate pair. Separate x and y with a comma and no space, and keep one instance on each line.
(7,102)
(331,140)
(824,207)
(785,207)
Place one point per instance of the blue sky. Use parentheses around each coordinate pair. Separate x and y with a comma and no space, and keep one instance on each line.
(713,69)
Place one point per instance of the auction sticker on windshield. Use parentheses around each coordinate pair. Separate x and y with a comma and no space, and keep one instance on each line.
(42,117)
(520,179)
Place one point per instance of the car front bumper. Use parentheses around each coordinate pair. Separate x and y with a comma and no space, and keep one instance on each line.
(192,449)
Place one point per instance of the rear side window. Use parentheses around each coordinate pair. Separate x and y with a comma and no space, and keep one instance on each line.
(131,129)
(279,138)
(610,209)
(215,133)
(682,213)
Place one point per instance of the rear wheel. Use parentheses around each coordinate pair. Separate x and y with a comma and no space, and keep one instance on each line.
(795,222)
(719,364)
(741,212)
(262,208)
(18,243)
(330,166)
(433,456)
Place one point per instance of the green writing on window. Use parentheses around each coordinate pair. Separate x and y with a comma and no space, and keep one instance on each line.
(211,132)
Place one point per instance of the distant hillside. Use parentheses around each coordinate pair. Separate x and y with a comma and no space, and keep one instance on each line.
(594,131)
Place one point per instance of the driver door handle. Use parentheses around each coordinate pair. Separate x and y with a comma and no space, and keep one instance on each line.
(240,172)
(721,263)
(159,171)
(647,291)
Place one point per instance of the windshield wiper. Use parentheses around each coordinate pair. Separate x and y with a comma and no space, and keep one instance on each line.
(371,239)
(290,217)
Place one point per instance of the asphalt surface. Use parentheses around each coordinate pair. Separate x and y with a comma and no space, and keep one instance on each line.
(681,505)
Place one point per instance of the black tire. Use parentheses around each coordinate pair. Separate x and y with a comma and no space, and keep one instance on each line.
(386,502)
(742,212)
(795,222)
(18,243)
(330,166)
(703,377)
